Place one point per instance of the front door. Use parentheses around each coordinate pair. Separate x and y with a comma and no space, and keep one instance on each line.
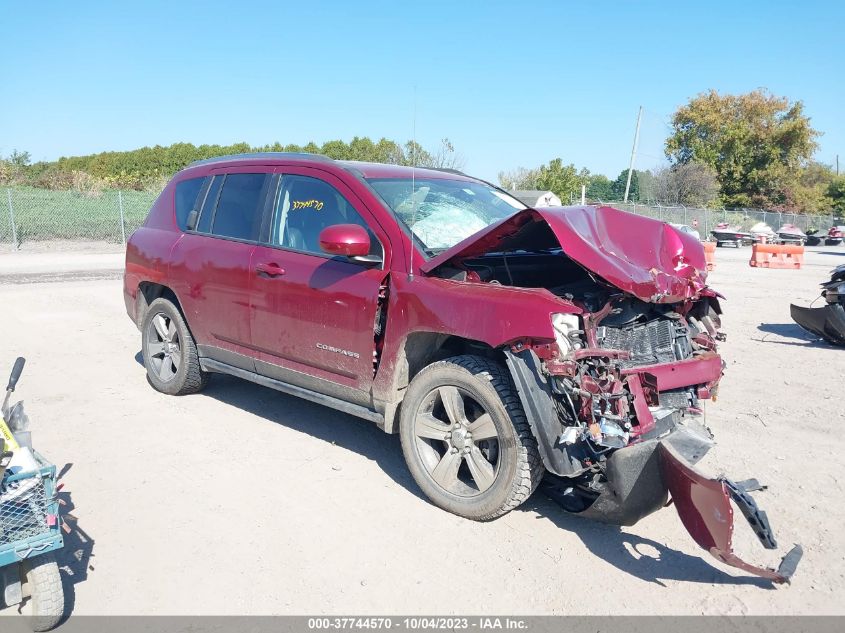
(313,314)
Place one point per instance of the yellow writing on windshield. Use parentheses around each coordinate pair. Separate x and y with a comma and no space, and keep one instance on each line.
(308,204)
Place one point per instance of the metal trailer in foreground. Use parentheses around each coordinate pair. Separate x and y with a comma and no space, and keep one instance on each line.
(30,533)
(30,523)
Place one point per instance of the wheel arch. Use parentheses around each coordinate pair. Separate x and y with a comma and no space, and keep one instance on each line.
(149,291)
(490,384)
(419,350)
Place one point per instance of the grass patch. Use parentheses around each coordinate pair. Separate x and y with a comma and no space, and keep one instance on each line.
(43,214)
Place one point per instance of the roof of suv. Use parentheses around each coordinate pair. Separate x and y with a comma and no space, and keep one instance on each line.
(263,156)
(364,169)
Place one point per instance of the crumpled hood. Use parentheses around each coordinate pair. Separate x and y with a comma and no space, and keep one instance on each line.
(641,256)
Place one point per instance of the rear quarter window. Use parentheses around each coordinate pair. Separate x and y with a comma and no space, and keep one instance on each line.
(186,198)
(209,205)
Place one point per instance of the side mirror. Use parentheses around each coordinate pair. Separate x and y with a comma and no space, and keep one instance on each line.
(17,370)
(350,240)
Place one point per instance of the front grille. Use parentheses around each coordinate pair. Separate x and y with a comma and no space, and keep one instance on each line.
(658,341)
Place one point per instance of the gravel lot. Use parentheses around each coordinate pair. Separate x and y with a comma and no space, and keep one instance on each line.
(244,500)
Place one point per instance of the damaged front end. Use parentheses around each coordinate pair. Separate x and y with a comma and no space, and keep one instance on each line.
(615,397)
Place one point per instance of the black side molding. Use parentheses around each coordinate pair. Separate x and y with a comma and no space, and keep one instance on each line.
(357,410)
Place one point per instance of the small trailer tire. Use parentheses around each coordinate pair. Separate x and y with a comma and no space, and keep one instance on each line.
(43,585)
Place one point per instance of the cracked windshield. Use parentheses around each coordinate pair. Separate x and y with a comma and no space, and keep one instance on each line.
(441,213)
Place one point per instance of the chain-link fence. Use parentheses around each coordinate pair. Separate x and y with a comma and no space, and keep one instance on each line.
(110,216)
(705,220)
(28,214)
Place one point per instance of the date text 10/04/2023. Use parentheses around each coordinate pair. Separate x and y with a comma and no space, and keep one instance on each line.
(418,623)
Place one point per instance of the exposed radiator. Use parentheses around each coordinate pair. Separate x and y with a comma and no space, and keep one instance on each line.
(658,341)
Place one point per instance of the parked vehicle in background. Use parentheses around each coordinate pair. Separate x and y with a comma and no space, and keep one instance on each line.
(684,228)
(762,232)
(835,235)
(503,343)
(791,234)
(832,237)
(814,237)
(724,233)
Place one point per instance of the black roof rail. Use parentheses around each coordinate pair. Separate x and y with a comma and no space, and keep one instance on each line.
(261,156)
(448,170)
(353,165)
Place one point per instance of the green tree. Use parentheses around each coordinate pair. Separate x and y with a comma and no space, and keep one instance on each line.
(563,180)
(414,154)
(836,194)
(19,160)
(148,165)
(618,186)
(600,188)
(758,144)
(16,167)
(808,192)
(692,184)
(520,178)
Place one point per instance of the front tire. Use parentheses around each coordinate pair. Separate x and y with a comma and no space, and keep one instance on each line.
(170,354)
(466,440)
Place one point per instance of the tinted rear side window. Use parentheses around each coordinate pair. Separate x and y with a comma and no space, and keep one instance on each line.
(186,197)
(239,207)
(207,213)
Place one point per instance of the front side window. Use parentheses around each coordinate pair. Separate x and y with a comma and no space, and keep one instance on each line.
(186,197)
(442,212)
(238,213)
(304,207)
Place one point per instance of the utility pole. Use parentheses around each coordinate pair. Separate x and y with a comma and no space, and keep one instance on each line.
(633,154)
(837,164)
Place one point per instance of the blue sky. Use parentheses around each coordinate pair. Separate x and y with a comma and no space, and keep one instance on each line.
(511,84)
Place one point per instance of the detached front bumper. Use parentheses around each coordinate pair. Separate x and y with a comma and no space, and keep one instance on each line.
(827,322)
(704,506)
(641,479)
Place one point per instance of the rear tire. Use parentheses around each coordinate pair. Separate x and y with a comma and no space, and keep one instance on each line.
(46,594)
(466,439)
(170,354)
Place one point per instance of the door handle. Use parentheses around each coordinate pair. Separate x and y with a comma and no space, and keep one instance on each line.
(270,269)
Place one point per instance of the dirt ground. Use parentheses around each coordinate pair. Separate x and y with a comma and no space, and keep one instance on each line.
(242,500)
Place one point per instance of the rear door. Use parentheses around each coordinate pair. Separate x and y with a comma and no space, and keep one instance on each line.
(313,314)
(211,263)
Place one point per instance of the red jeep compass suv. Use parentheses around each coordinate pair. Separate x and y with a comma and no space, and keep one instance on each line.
(502,343)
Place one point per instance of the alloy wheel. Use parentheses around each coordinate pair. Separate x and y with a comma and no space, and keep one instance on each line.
(164,349)
(457,441)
